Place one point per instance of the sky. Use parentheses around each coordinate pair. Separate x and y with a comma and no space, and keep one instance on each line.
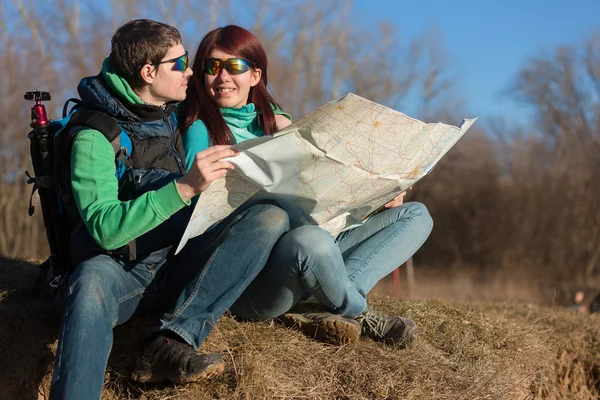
(488,41)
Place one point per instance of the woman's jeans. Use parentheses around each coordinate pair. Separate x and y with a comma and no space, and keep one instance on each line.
(338,273)
(196,287)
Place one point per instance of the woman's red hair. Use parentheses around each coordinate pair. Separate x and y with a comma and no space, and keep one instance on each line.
(200,105)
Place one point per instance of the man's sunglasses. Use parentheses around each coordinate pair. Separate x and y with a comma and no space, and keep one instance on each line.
(233,66)
(179,63)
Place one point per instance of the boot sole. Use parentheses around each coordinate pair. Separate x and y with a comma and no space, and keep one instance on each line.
(149,377)
(210,372)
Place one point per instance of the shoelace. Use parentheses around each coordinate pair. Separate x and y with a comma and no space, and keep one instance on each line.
(374,322)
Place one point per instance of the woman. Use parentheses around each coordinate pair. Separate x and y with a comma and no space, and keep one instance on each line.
(227,103)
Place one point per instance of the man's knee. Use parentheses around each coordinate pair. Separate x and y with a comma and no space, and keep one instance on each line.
(91,287)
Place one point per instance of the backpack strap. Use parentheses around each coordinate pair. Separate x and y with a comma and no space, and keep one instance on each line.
(109,128)
(98,121)
(76,104)
(112,131)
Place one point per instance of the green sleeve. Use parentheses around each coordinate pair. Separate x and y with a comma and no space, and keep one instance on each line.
(111,222)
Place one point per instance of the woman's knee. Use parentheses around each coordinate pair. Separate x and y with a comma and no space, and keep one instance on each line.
(271,218)
(414,215)
(420,216)
(311,239)
(303,249)
(421,212)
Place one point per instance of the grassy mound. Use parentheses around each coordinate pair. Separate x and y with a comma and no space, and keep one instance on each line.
(464,350)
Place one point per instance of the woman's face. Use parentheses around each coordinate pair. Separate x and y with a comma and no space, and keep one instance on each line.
(230,90)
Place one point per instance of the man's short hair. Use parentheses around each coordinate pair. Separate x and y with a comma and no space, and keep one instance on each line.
(140,42)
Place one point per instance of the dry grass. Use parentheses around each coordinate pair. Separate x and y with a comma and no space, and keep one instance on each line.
(464,350)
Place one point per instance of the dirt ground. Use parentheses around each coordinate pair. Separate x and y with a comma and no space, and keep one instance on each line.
(463,350)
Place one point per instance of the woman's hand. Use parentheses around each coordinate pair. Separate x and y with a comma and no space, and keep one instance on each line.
(398,200)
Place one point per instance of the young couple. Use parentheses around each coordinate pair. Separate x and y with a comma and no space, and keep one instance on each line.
(259,262)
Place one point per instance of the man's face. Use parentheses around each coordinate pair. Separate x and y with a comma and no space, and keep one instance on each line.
(168,83)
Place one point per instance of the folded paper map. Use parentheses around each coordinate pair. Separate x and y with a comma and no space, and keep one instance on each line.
(339,164)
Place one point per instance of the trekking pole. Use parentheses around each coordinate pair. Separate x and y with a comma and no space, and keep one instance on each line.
(42,157)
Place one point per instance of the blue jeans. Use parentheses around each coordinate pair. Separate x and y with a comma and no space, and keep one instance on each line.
(339,274)
(196,286)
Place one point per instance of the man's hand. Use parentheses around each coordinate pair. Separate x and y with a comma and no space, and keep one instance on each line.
(398,200)
(206,169)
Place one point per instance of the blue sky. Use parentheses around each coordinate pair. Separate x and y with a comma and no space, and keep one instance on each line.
(488,41)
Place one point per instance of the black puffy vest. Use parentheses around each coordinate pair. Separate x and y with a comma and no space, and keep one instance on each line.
(157,159)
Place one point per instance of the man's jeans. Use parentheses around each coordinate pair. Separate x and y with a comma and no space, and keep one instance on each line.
(339,274)
(197,286)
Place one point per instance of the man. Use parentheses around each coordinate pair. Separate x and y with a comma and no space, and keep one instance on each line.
(136,221)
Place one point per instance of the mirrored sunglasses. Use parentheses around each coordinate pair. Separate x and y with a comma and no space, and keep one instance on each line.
(233,66)
(179,63)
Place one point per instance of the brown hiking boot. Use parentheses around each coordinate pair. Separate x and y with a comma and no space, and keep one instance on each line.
(322,326)
(166,357)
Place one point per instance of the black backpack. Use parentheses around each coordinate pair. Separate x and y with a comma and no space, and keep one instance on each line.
(50,150)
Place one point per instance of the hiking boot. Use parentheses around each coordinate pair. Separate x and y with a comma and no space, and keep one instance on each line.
(166,357)
(324,326)
(396,331)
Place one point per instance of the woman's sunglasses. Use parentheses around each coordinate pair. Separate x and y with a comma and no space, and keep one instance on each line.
(233,66)
(179,63)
